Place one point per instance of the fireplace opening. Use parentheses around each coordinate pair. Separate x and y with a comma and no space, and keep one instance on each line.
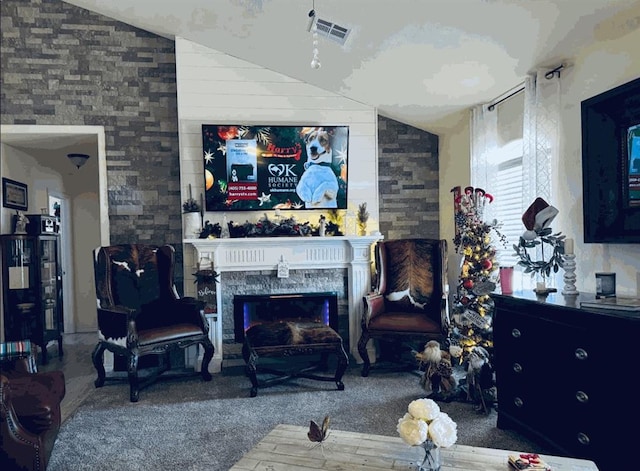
(250,310)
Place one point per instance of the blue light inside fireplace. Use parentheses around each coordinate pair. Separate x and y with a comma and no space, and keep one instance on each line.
(325,312)
(246,317)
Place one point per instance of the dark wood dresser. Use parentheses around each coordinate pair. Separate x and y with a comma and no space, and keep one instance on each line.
(567,376)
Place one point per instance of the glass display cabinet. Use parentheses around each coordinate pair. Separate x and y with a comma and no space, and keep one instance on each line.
(32,290)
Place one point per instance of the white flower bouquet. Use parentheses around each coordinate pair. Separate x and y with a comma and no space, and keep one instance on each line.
(425,422)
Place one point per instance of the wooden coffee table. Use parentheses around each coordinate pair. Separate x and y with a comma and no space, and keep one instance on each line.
(287,447)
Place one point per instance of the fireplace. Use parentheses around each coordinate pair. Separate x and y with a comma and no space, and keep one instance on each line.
(250,310)
(248,258)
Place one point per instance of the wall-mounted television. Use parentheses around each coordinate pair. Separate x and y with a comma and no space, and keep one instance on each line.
(611,165)
(266,167)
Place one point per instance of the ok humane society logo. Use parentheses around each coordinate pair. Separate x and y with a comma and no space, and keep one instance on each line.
(282,177)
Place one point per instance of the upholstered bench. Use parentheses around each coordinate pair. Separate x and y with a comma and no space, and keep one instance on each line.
(289,339)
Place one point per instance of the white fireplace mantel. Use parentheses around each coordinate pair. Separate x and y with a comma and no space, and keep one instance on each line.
(309,253)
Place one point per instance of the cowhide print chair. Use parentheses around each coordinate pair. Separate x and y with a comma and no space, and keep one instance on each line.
(410,302)
(140,312)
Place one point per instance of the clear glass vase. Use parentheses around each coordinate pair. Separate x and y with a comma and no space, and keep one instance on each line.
(431,461)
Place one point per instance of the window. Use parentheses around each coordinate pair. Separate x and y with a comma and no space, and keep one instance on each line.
(514,146)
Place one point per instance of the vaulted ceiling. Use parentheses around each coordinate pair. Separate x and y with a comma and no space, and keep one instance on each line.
(417,61)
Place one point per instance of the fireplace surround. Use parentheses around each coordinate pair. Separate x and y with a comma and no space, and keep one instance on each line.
(268,256)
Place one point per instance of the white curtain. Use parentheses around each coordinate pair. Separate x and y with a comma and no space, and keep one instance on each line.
(484,143)
(541,141)
(540,136)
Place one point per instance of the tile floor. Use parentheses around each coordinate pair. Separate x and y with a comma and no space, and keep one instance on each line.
(77,367)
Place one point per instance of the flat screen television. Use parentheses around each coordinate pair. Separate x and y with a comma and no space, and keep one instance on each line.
(265,167)
(611,165)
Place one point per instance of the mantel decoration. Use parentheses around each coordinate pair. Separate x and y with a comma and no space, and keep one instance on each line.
(537,220)
(362,217)
(279,226)
(425,425)
(472,310)
(192,216)
(266,227)
(191,205)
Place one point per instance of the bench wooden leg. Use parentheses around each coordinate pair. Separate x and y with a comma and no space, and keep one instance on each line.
(251,358)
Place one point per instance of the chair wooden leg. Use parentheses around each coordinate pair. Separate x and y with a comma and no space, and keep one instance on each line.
(343,362)
(98,363)
(134,386)
(362,350)
(206,359)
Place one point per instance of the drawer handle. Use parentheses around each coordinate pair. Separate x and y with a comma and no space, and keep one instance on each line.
(517,367)
(581,396)
(518,402)
(583,439)
(515,333)
(581,354)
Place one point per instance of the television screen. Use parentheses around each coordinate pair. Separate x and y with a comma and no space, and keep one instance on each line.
(611,165)
(257,168)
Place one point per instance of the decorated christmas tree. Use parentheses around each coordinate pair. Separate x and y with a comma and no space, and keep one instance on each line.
(472,309)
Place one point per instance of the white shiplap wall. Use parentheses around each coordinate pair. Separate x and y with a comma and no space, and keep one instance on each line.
(216,88)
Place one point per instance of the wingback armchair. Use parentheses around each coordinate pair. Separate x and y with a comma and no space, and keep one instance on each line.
(140,312)
(410,301)
(30,417)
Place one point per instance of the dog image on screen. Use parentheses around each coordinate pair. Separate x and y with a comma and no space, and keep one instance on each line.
(318,185)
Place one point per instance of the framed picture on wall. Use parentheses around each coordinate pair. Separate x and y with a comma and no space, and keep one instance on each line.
(14,195)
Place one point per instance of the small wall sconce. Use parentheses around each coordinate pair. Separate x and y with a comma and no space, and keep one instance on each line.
(78,159)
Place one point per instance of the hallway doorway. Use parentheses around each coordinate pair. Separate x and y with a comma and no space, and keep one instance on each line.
(38,156)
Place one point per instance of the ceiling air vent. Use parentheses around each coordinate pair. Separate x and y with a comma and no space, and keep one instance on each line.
(332,31)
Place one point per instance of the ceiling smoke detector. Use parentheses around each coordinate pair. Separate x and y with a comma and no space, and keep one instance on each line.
(330,30)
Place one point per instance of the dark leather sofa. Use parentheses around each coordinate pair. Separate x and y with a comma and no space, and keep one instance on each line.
(30,414)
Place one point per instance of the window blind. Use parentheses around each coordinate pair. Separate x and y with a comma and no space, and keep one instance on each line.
(508,210)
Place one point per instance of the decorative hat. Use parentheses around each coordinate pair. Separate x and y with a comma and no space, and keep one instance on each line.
(537,217)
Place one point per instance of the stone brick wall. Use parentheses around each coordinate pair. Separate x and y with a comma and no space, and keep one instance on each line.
(63,65)
(408,181)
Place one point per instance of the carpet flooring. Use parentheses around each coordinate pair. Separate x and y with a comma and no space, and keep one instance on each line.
(188,424)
